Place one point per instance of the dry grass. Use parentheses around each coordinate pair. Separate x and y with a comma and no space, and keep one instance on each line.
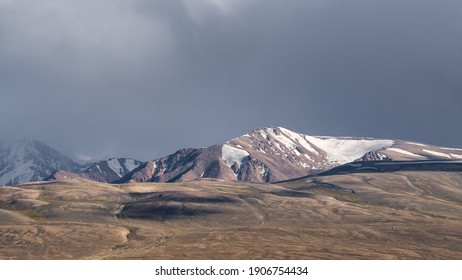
(403,215)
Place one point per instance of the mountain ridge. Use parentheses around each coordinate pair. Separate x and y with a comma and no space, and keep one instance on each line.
(273,154)
(105,171)
(267,154)
(30,160)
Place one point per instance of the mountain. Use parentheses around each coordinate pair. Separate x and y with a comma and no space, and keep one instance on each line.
(273,154)
(106,171)
(267,154)
(30,160)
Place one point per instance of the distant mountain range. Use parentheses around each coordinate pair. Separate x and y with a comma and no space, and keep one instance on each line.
(30,160)
(106,171)
(267,154)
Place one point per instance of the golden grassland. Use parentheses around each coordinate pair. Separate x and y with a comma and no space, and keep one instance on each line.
(401,215)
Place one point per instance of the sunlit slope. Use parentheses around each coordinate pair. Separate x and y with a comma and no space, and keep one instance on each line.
(410,215)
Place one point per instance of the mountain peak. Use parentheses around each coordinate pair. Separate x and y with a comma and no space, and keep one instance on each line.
(107,171)
(266,154)
(28,160)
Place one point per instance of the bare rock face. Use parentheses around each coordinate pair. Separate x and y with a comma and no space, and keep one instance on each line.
(276,153)
(267,154)
(106,171)
(184,165)
(264,155)
(141,174)
(373,156)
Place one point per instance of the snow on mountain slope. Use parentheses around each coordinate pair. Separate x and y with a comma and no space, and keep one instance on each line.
(438,154)
(102,171)
(266,154)
(289,154)
(115,166)
(274,153)
(30,160)
(341,151)
(184,165)
(234,157)
(131,164)
(403,150)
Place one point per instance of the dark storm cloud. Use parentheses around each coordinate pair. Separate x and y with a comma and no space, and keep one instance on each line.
(144,78)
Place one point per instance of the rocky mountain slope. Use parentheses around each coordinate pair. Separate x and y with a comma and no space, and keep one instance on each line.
(274,154)
(30,160)
(106,171)
(267,154)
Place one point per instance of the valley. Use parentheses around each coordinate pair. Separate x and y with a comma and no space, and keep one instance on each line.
(396,215)
(269,194)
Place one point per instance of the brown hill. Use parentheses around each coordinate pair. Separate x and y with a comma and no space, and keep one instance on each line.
(396,215)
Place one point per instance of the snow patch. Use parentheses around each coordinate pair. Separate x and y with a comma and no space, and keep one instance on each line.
(344,150)
(232,155)
(131,164)
(405,153)
(114,164)
(381,156)
(154,166)
(438,154)
(456,156)
(20,173)
(416,144)
(449,149)
(300,138)
(263,134)
(286,141)
(264,171)
(283,140)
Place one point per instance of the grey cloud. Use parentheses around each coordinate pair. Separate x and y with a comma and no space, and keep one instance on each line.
(144,78)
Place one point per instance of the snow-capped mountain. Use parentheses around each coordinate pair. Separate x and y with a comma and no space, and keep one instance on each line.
(102,171)
(264,155)
(274,153)
(30,160)
(267,154)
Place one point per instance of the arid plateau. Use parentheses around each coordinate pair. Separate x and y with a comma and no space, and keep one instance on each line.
(388,215)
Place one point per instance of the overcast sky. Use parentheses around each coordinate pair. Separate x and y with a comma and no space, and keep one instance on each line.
(143,78)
